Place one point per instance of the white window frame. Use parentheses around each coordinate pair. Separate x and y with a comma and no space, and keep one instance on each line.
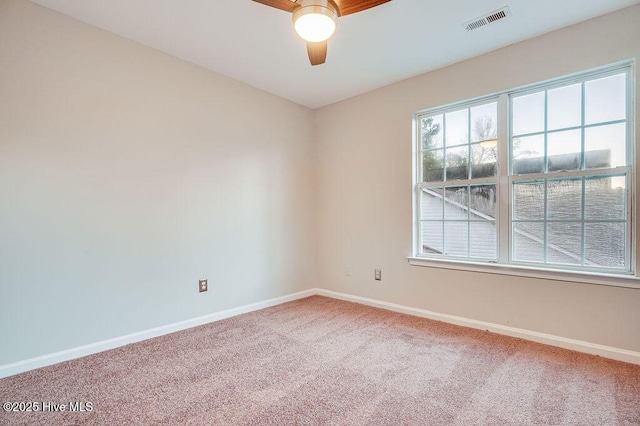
(456,182)
(505,179)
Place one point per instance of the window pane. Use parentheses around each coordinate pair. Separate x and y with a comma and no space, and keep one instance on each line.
(483,240)
(528,114)
(605,244)
(483,160)
(456,238)
(564,243)
(456,203)
(433,166)
(605,99)
(431,132)
(528,154)
(457,127)
(564,150)
(605,198)
(564,199)
(528,200)
(484,120)
(482,202)
(457,163)
(431,204)
(528,242)
(431,237)
(605,146)
(564,107)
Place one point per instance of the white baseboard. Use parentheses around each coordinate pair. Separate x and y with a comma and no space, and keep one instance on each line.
(73,353)
(547,339)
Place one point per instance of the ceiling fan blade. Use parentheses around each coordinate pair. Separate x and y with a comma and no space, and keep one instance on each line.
(286,5)
(317,52)
(347,7)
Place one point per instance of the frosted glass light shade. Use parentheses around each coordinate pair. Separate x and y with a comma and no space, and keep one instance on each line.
(314,23)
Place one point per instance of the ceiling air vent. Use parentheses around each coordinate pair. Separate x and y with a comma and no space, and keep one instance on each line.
(487,19)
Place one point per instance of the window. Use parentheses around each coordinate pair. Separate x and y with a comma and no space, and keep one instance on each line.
(537,177)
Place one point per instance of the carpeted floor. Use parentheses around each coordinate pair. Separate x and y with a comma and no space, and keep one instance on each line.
(323,361)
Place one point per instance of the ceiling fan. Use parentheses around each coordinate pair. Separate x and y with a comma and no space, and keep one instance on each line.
(315,20)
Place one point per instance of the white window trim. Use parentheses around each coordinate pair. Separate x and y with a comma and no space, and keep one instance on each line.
(617,280)
(502,267)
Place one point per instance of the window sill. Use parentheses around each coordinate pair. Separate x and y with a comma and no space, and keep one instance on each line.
(628,281)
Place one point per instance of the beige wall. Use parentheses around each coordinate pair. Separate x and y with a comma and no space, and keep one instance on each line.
(364,189)
(126,175)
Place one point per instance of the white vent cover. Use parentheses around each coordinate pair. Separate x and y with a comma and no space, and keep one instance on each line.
(487,19)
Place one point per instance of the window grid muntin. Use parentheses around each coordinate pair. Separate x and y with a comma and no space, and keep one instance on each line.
(583,131)
(443,220)
(583,177)
(583,126)
(564,129)
(445,148)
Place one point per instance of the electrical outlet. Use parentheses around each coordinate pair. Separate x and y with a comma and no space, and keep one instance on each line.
(378,274)
(348,270)
(202,285)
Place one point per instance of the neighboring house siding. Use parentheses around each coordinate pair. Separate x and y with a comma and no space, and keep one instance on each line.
(457,233)
(564,240)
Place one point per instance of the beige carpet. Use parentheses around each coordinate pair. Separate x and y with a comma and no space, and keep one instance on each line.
(323,361)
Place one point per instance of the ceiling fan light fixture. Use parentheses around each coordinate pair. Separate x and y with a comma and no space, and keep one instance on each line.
(315,23)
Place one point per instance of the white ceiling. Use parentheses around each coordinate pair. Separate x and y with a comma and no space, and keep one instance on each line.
(256,44)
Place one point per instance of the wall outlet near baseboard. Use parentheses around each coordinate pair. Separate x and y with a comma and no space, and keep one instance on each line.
(348,270)
(203,285)
(378,274)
